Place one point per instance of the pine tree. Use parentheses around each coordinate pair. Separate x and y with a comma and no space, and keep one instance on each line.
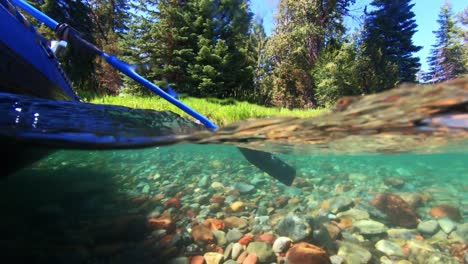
(446,59)
(304,28)
(111,19)
(174,44)
(222,67)
(388,43)
(199,47)
(257,44)
(337,71)
(160,41)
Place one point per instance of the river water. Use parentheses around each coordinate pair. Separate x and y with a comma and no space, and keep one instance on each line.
(397,194)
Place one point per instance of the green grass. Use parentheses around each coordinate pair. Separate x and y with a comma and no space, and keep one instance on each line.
(221,112)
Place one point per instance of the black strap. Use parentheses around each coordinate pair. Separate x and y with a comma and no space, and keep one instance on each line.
(65,32)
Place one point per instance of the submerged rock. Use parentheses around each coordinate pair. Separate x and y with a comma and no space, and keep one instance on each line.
(446,224)
(353,253)
(428,227)
(302,253)
(397,210)
(389,248)
(294,227)
(263,251)
(243,187)
(370,227)
(213,258)
(282,244)
(447,210)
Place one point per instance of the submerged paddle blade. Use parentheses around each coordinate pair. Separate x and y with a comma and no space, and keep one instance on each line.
(270,164)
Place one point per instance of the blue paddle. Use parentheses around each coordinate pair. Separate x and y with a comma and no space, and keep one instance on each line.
(68,33)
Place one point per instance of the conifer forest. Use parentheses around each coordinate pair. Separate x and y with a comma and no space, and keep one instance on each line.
(219,48)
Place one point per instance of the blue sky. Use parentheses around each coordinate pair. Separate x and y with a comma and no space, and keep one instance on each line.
(426,12)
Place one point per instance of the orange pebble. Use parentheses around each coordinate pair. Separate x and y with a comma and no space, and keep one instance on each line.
(214,224)
(172,202)
(246,239)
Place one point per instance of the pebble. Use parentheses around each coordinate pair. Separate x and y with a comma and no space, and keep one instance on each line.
(250,259)
(370,227)
(353,253)
(213,258)
(401,233)
(233,235)
(389,248)
(428,227)
(281,245)
(340,203)
(243,187)
(217,186)
(228,251)
(249,208)
(230,261)
(446,224)
(237,249)
(262,250)
(294,227)
(355,214)
(220,237)
(145,189)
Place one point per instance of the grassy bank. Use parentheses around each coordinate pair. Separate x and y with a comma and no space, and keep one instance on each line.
(221,112)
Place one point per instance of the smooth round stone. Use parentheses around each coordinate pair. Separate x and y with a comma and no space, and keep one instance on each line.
(233,235)
(243,187)
(237,249)
(339,203)
(335,259)
(263,220)
(294,227)
(403,261)
(146,189)
(428,227)
(420,244)
(203,181)
(385,260)
(389,248)
(355,214)
(228,251)
(358,177)
(220,237)
(370,227)
(446,224)
(262,250)
(462,230)
(402,233)
(354,253)
(217,186)
(213,258)
(282,244)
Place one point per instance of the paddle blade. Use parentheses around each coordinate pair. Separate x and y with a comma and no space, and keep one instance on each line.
(270,164)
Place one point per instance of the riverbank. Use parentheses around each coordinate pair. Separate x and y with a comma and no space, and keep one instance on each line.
(221,112)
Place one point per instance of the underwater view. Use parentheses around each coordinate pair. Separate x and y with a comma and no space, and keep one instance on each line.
(192,203)
(378,179)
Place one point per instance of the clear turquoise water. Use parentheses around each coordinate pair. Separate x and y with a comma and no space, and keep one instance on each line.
(63,207)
